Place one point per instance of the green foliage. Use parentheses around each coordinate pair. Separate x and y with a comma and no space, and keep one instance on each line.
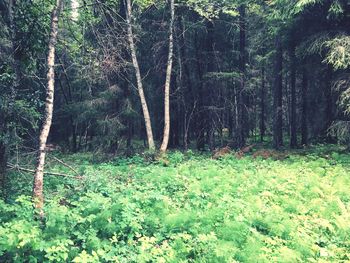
(339,50)
(193,210)
(341,130)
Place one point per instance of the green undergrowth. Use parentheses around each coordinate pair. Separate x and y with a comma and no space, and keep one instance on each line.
(185,208)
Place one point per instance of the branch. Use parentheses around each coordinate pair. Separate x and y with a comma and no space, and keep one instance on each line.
(17,167)
(66,165)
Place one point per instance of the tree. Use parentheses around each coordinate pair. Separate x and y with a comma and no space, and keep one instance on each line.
(277,97)
(242,128)
(293,117)
(38,196)
(135,63)
(304,130)
(262,105)
(165,142)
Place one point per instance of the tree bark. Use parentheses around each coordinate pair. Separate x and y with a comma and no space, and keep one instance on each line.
(135,63)
(262,106)
(3,156)
(242,127)
(165,142)
(328,111)
(210,94)
(200,118)
(293,124)
(304,131)
(3,162)
(38,197)
(277,101)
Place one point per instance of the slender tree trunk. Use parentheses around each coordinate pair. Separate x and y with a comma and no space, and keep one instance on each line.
(210,94)
(262,106)
(38,196)
(200,120)
(166,133)
(74,135)
(304,132)
(329,104)
(185,80)
(242,128)
(278,85)
(3,156)
(293,117)
(135,63)
(3,162)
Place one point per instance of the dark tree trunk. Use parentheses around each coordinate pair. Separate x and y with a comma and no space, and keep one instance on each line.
(3,159)
(262,106)
(293,124)
(3,163)
(129,149)
(210,126)
(176,129)
(200,120)
(74,135)
(277,97)
(329,104)
(304,131)
(242,98)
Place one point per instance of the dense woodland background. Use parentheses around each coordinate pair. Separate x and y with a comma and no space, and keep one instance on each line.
(107,87)
(243,72)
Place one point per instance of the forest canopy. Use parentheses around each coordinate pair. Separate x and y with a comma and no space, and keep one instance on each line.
(171,83)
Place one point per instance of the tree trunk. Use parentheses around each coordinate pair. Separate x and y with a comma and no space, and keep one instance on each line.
(277,98)
(329,104)
(185,81)
(38,196)
(200,118)
(165,142)
(3,163)
(262,106)
(304,132)
(210,94)
(3,157)
(242,127)
(293,122)
(135,63)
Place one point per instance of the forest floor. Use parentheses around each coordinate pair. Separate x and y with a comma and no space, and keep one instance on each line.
(290,207)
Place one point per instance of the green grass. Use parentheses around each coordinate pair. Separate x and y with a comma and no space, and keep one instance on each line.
(195,209)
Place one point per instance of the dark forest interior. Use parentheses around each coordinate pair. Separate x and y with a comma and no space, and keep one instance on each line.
(137,88)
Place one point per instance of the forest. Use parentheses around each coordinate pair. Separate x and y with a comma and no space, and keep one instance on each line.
(174,131)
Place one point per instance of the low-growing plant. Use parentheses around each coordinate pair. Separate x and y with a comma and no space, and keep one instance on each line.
(195,209)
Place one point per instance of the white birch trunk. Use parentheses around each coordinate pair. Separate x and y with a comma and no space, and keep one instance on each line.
(38,196)
(166,133)
(135,63)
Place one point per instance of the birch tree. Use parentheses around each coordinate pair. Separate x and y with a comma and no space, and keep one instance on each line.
(165,142)
(136,66)
(38,196)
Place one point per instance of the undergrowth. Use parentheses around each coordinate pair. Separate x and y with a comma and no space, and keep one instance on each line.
(185,208)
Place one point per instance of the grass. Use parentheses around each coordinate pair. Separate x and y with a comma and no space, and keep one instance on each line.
(187,208)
